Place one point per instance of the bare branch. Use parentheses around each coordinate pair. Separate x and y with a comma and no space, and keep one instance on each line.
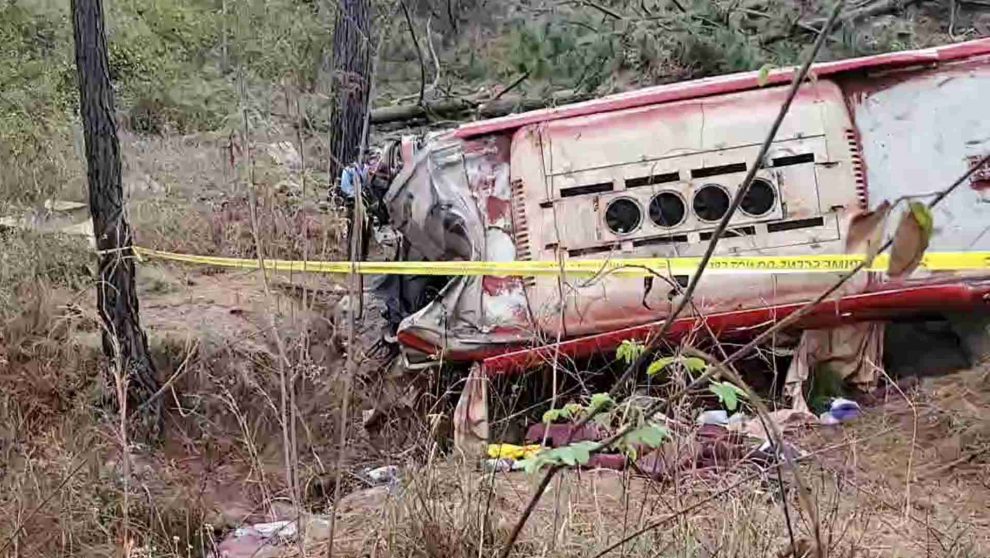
(419,53)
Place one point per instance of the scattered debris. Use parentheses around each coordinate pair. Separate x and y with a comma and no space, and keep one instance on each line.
(715,417)
(387,474)
(787,420)
(263,540)
(841,410)
(503,465)
(512,451)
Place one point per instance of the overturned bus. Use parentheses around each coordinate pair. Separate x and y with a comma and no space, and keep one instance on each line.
(649,173)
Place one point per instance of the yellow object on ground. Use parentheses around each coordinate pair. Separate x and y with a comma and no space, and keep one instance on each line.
(512,451)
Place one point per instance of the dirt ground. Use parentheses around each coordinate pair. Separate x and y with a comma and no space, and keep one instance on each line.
(910,477)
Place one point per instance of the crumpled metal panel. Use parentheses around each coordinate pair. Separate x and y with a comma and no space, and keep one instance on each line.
(453,203)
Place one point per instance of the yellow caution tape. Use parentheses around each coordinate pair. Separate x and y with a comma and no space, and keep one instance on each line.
(627,267)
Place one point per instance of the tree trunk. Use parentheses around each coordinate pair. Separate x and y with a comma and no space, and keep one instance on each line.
(124,343)
(350,79)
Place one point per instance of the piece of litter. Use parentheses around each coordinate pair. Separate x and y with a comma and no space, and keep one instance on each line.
(386,474)
(844,409)
(284,529)
(828,419)
(718,417)
(500,465)
(512,451)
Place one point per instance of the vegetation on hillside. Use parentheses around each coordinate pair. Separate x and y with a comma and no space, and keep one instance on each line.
(187,66)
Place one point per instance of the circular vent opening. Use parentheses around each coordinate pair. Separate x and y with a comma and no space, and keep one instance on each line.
(760,198)
(667,209)
(623,216)
(711,201)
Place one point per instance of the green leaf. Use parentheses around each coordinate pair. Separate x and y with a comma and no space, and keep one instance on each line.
(695,364)
(553,415)
(600,401)
(567,456)
(572,455)
(573,410)
(651,435)
(533,464)
(658,365)
(728,394)
(924,216)
(630,350)
(567,412)
(764,76)
(692,364)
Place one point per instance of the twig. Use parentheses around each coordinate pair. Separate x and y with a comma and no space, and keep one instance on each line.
(775,434)
(914,439)
(610,13)
(283,361)
(433,53)
(809,307)
(954,463)
(802,458)
(175,376)
(515,83)
(689,292)
(658,406)
(419,53)
(743,189)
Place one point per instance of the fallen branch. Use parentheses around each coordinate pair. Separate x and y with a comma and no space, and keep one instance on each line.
(880,7)
(487,108)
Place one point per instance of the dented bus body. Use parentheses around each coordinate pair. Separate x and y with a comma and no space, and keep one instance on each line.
(649,173)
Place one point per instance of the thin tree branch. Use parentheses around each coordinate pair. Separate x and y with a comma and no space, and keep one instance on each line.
(740,194)
(789,320)
(515,83)
(807,308)
(608,12)
(419,53)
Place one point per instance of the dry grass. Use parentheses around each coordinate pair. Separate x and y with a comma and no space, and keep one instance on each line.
(290,230)
(222,464)
(224,461)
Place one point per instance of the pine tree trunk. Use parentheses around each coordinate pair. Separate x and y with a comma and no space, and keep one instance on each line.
(351,71)
(124,343)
